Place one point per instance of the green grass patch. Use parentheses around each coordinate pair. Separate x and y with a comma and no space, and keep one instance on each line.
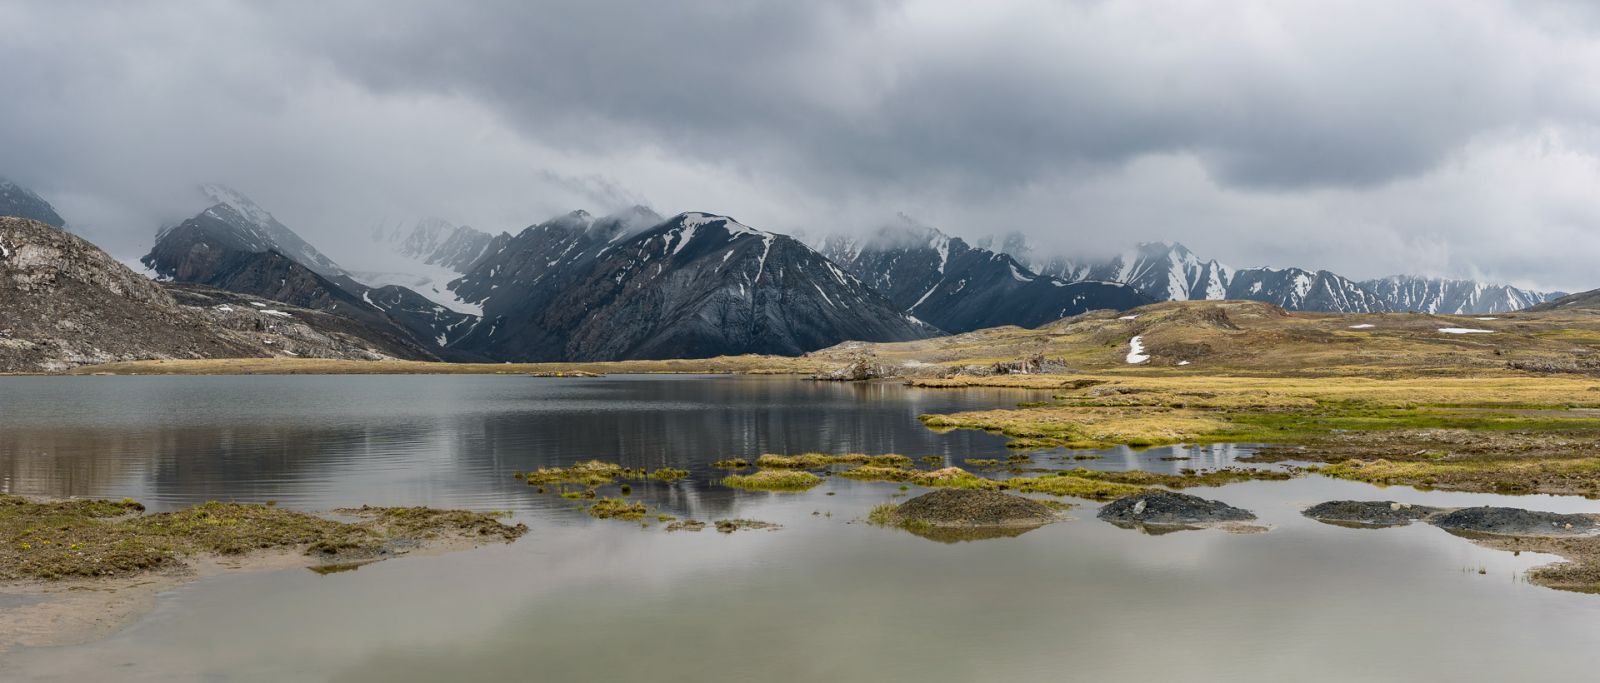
(773,480)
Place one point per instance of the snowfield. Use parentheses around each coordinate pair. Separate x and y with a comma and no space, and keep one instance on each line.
(1136,352)
(1464,330)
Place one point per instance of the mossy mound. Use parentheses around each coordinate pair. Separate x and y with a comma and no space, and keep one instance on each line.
(970,508)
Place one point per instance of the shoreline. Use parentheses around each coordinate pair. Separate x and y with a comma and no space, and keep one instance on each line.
(91,601)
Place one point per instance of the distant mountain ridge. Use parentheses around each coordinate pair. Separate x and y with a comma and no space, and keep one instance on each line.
(1454,297)
(958,288)
(1168,271)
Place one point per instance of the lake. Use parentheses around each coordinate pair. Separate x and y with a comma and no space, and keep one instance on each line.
(825,598)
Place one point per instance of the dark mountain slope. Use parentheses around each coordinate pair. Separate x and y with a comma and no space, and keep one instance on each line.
(695,286)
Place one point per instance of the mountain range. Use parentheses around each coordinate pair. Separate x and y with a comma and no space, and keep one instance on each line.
(1168,271)
(635,285)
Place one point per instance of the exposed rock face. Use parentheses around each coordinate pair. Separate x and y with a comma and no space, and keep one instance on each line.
(695,286)
(1368,512)
(21,202)
(959,288)
(64,302)
(1166,508)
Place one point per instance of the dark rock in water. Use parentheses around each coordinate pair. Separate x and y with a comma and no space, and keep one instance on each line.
(972,508)
(1368,512)
(1166,508)
(1516,522)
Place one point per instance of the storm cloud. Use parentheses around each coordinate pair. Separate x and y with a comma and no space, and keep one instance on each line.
(1438,137)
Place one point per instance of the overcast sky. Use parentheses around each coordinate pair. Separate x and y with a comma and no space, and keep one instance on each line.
(1440,137)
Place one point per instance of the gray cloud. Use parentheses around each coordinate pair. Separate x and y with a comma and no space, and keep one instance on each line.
(1368,137)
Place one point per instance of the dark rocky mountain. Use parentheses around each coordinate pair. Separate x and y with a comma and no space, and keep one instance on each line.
(958,288)
(1454,297)
(545,258)
(694,286)
(64,302)
(227,249)
(1168,271)
(21,202)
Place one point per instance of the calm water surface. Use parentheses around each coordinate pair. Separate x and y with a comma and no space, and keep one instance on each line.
(825,598)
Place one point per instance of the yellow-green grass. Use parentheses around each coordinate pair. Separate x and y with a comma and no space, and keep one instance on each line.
(773,480)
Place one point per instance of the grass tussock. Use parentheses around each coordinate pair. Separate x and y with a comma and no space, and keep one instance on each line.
(773,480)
(669,474)
(731,464)
(616,508)
(592,473)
